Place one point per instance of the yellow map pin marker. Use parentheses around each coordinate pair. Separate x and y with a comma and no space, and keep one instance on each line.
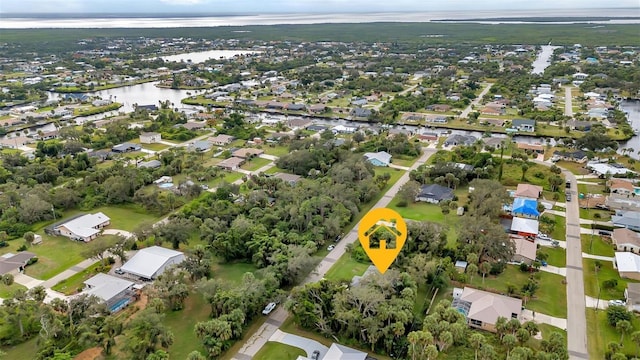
(382,233)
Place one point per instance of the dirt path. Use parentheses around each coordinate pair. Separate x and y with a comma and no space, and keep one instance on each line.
(89,354)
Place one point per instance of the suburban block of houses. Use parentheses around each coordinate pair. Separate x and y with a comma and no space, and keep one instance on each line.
(84,227)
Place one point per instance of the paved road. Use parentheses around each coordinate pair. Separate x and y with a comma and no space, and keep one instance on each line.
(576,316)
(476,101)
(264,333)
(568,99)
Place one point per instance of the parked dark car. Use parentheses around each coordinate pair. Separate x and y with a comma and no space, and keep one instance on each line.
(315,355)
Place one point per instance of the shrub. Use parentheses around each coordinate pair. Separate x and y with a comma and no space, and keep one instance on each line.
(23,247)
(497,268)
(3,244)
(617,313)
(524,267)
(33,260)
(610,284)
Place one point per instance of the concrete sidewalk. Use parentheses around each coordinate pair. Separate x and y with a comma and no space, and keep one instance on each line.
(554,270)
(527,315)
(597,257)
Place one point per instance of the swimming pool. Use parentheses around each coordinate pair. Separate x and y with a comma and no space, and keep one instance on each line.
(636,190)
(120,304)
(166,186)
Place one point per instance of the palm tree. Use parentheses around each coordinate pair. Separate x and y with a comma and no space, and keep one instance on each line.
(477,341)
(624,326)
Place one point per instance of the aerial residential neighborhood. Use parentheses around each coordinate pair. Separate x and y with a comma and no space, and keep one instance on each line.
(196,192)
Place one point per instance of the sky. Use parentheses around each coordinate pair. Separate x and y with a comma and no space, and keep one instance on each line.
(297,6)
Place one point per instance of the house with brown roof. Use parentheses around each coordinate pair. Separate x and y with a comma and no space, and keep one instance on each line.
(482,309)
(528,191)
(525,249)
(231,164)
(246,153)
(626,240)
(290,179)
(193,125)
(439,107)
(295,124)
(620,186)
(317,108)
(221,140)
(536,148)
(494,122)
(490,110)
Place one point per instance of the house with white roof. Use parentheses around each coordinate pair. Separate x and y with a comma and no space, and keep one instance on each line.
(628,265)
(524,227)
(115,292)
(151,262)
(83,228)
(380,158)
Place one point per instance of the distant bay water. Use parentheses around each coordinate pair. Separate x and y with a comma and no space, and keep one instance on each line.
(562,16)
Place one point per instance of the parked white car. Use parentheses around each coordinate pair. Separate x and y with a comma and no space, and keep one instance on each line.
(543,236)
(616,303)
(267,310)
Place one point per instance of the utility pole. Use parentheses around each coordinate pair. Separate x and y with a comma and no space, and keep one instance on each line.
(54,213)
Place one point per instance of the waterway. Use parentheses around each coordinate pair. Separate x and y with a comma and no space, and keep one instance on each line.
(632,109)
(544,59)
(202,56)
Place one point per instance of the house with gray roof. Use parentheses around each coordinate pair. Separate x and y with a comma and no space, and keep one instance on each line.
(360,112)
(200,146)
(526,125)
(434,193)
(115,292)
(457,140)
(627,219)
(15,263)
(126,147)
(152,164)
(151,262)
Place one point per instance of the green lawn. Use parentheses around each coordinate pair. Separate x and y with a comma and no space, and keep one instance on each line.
(155,147)
(605,273)
(7,291)
(345,269)
(74,284)
(232,272)
(278,351)
(594,188)
(25,351)
(596,245)
(574,167)
(560,229)
(593,214)
(255,164)
(602,334)
(512,175)
(276,150)
(556,256)
(182,325)
(419,211)
(550,298)
(403,160)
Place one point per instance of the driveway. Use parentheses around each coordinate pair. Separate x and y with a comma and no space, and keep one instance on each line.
(124,233)
(308,345)
(527,315)
(554,270)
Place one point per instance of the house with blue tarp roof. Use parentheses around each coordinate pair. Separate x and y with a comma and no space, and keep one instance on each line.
(526,208)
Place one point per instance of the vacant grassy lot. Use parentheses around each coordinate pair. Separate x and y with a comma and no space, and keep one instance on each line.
(74,284)
(155,147)
(403,160)
(574,167)
(550,298)
(232,272)
(556,256)
(596,245)
(182,325)
(278,351)
(594,288)
(126,217)
(7,291)
(591,188)
(559,229)
(419,211)
(536,175)
(255,164)
(593,214)
(276,150)
(26,350)
(601,334)
(345,269)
